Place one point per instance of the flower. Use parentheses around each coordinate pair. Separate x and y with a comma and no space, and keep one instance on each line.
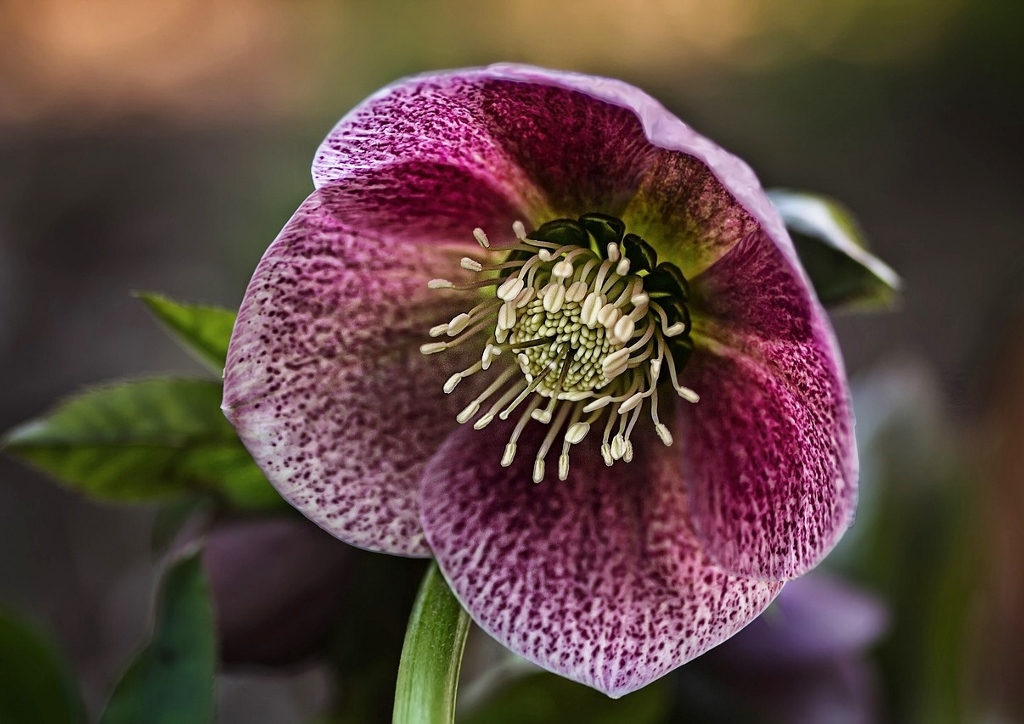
(464,229)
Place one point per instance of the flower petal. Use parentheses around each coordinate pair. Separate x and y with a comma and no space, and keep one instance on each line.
(769,449)
(324,380)
(596,577)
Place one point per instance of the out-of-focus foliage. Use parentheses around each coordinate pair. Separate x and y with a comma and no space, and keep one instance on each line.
(145,440)
(171,681)
(36,686)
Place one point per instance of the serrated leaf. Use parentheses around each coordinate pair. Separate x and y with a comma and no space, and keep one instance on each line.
(835,252)
(204,331)
(542,698)
(172,679)
(145,440)
(36,686)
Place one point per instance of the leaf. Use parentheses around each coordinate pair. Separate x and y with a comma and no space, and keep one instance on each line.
(36,686)
(145,440)
(172,679)
(541,698)
(835,253)
(203,331)
(428,674)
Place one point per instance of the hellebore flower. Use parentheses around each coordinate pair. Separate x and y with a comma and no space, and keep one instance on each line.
(483,338)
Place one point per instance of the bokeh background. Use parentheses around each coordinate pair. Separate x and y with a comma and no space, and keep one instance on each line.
(160,146)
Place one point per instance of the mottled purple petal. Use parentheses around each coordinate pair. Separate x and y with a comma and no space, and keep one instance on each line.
(325,383)
(769,452)
(559,144)
(597,577)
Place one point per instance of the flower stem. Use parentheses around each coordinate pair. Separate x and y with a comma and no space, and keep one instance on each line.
(428,674)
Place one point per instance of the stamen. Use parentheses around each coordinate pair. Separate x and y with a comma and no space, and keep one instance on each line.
(584,336)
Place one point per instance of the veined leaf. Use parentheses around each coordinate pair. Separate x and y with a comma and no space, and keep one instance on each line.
(203,331)
(145,440)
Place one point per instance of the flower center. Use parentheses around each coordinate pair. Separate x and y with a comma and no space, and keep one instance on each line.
(593,323)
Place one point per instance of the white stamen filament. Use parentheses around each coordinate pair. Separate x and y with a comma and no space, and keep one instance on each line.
(584,338)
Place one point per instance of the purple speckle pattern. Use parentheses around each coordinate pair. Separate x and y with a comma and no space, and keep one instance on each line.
(768,451)
(597,577)
(325,382)
(619,574)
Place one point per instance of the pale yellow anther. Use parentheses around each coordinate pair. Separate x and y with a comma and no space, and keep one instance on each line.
(439,284)
(576,432)
(438,329)
(467,413)
(471,264)
(562,270)
(452,382)
(624,329)
(433,347)
(663,433)
(509,455)
(458,324)
(563,467)
(554,297)
(538,470)
(510,289)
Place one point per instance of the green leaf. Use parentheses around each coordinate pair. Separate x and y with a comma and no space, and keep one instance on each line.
(835,253)
(171,681)
(203,331)
(36,686)
(145,440)
(542,698)
(428,674)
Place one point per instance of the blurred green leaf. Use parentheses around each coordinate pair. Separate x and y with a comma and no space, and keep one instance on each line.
(428,674)
(203,331)
(544,698)
(172,680)
(36,686)
(145,440)
(835,253)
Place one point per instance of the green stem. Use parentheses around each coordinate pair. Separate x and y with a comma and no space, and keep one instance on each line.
(428,675)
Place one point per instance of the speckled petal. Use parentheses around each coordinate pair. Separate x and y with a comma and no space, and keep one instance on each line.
(560,144)
(769,452)
(596,577)
(324,380)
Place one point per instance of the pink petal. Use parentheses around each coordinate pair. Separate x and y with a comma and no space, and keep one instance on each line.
(769,452)
(559,144)
(596,578)
(325,383)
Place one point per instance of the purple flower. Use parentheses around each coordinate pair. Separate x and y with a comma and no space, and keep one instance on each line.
(483,338)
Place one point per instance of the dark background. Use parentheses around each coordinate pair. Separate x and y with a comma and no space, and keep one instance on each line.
(160,146)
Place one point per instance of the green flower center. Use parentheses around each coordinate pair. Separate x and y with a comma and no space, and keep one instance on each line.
(593,323)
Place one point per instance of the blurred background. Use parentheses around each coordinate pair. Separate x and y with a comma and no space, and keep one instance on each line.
(161,145)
